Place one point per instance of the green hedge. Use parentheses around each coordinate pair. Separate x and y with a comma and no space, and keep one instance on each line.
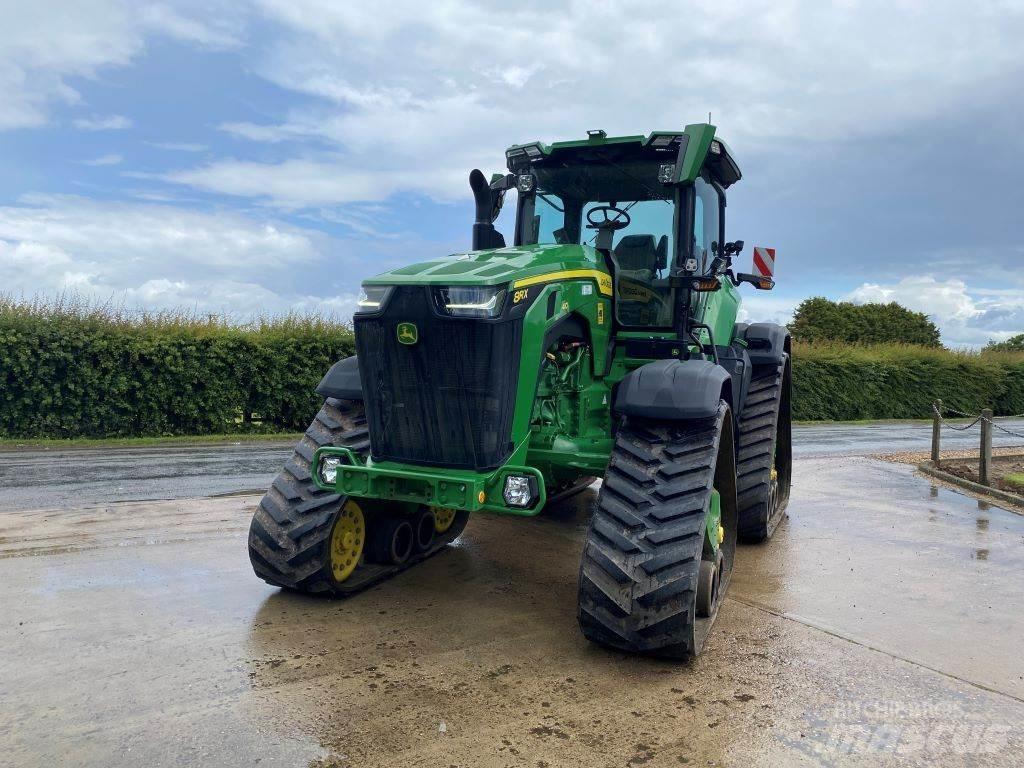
(844,382)
(74,371)
(69,371)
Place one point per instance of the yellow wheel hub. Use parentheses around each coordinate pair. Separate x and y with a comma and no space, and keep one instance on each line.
(443,518)
(347,540)
(775,474)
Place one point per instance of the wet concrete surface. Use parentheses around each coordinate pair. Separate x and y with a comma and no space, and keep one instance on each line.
(55,478)
(881,626)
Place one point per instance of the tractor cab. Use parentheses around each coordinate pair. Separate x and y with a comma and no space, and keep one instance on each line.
(631,199)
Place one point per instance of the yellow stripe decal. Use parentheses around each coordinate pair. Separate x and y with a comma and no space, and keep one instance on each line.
(603,279)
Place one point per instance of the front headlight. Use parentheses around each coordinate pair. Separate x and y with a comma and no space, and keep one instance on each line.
(372,297)
(520,491)
(471,300)
(329,469)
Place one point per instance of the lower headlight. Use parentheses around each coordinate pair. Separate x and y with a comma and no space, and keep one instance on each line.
(520,490)
(329,469)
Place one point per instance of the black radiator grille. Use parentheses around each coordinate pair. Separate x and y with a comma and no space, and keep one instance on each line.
(446,400)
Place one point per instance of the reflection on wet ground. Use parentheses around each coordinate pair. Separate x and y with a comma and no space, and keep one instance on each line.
(868,632)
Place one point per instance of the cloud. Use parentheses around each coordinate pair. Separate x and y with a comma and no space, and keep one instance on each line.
(163,256)
(216,33)
(758,307)
(52,244)
(104,160)
(300,183)
(238,298)
(107,123)
(408,95)
(45,45)
(178,146)
(965,316)
(154,234)
(946,300)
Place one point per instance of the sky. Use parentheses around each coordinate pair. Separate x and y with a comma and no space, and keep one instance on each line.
(263,157)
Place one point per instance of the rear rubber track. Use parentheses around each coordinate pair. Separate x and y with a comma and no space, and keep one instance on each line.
(764,437)
(288,536)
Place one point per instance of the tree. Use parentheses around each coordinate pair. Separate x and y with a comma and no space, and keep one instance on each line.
(1012,344)
(819,319)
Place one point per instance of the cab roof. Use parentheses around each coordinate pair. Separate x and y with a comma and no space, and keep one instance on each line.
(698,143)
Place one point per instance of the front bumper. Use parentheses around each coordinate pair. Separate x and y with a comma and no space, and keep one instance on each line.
(433,486)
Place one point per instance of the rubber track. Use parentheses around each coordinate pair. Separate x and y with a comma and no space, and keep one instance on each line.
(288,533)
(758,430)
(638,574)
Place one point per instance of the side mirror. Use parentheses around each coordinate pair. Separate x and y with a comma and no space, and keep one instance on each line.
(500,184)
(761,282)
(488,197)
(499,201)
(661,253)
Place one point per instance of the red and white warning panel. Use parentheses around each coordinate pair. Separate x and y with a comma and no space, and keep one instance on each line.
(764,261)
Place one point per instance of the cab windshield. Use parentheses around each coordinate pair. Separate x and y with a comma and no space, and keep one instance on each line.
(566,192)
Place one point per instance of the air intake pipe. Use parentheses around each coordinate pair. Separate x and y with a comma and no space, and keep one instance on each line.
(488,206)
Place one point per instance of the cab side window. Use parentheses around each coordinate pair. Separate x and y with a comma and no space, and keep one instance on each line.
(705,223)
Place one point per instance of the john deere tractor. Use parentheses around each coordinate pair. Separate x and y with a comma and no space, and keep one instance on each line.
(602,343)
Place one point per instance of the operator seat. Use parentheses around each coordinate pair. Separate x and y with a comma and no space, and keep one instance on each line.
(637,258)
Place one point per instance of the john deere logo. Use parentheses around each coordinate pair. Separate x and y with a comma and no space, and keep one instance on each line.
(407,333)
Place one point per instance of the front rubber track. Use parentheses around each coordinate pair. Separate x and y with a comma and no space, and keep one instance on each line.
(288,536)
(641,559)
(764,432)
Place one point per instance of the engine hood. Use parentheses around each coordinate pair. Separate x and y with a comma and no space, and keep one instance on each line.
(494,267)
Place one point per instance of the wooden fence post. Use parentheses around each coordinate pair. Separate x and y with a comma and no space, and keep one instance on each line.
(936,431)
(985,460)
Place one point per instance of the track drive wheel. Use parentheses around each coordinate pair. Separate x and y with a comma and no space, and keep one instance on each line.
(348,537)
(647,541)
(764,459)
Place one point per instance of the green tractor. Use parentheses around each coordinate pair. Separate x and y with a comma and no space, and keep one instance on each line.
(603,343)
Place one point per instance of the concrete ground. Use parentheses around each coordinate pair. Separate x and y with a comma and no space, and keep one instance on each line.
(881,626)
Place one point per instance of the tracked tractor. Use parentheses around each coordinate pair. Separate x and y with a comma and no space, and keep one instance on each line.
(602,343)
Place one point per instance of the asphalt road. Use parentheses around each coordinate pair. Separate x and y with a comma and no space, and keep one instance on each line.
(880,626)
(35,479)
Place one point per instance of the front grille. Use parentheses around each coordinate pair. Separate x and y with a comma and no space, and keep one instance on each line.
(446,400)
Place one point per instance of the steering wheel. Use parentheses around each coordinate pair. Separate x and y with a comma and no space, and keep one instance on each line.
(621,220)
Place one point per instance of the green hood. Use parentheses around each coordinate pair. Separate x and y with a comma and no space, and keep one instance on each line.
(494,267)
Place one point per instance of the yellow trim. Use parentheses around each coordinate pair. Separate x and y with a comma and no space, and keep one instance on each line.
(603,279)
